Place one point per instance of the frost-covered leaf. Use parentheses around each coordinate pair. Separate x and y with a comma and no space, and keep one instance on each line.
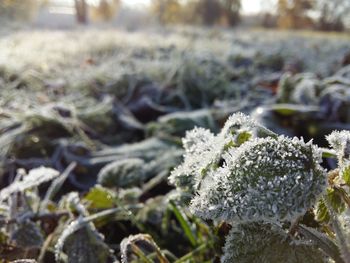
(264,179)
(321,240)
(82,222)
(204,151)
(86,245)
(35,177)
(81,235)
(27,235)
(130,195)
(122,173)
(299,89)
(340,142)
(73,203)
(199,147)
(58,182)
(265,243)
(146,150)
(239,122)
(179,122)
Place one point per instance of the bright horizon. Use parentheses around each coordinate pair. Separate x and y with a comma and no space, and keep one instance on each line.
(248,6)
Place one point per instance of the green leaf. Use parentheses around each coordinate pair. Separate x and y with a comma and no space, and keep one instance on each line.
(328,153)
(243,137)
(335,199)
(100,198)
(291,109)
(122,173)
(322,214)
(346,174)
(82,222)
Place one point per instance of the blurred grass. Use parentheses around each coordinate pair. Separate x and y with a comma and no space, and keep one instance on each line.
(79,56)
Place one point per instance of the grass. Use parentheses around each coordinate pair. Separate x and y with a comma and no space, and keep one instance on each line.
(85,98)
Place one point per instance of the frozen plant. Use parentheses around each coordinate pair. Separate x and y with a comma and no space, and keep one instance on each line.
(263,185)
(35,177)
(340,142)
(122,173)
(263,179)
(204,151)
(247,173)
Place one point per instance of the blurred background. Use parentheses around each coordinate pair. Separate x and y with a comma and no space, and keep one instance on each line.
(283,14)
(111,87)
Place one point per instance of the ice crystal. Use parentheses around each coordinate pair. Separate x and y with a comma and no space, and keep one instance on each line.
(263,179)
(239,122)
(267,243)
(74,203)
(340,142)
(204,151)
(198,145)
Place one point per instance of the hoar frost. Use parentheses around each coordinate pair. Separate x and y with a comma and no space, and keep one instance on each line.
(199,149)
(34,178)
(340,142)
(250,179)
(267,243)
(204,150)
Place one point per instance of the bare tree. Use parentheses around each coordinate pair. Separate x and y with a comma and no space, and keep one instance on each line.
(333,14)
(231,10)
(210,11)
(81,11)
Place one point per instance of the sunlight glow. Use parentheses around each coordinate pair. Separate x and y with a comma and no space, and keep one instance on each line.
(248,6)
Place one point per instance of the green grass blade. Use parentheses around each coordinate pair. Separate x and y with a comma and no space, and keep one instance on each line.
(185,224)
